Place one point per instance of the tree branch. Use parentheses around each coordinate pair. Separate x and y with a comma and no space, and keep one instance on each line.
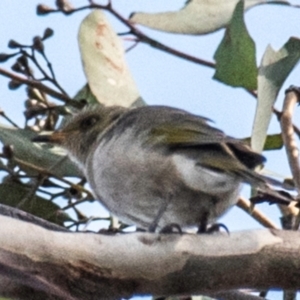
(136,32)
(234,295)
(291,99)
(18,214)
(256,214)
(292,150)
(93,266)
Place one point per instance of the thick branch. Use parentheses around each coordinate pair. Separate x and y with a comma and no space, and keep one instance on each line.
(18,214)
(234,295)
(92,266)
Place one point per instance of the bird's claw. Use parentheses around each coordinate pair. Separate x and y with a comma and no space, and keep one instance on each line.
(170,228)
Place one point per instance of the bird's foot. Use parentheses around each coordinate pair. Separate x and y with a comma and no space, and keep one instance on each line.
(217,228)
(212,228)
(171,228)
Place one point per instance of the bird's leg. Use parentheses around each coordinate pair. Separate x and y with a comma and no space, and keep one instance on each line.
(203,223)
(160,213)
(203,227)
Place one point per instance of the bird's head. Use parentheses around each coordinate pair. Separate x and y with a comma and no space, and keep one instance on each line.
(81,133)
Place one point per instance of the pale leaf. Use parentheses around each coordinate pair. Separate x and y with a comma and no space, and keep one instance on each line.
(103,61)
(274,69)
(197,17)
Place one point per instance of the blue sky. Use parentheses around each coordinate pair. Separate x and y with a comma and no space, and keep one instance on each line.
(161,78)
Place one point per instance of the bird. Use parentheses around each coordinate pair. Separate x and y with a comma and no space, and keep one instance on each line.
(153,166)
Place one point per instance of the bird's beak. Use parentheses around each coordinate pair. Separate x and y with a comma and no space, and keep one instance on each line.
(57,137)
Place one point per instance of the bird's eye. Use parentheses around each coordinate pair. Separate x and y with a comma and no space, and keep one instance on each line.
(88,123)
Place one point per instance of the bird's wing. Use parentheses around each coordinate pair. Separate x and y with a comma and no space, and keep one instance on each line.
(187,130)
(192,136)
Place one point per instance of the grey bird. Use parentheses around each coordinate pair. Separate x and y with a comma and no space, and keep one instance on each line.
(154,166)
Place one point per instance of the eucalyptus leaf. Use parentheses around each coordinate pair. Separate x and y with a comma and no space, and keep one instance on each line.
(196,17)
(138,102)
(272,142)
(235,56)
(274,69)
(15,195)
(104,63)
(48,157)
(85,93)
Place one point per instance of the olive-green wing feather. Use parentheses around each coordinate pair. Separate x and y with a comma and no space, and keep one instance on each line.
(187,130)
(193,137)
(190,131)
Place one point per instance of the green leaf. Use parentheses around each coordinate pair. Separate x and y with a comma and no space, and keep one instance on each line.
(274,69)
(86,94)
(272,142)
(15,194)
(48,157)
(235,56)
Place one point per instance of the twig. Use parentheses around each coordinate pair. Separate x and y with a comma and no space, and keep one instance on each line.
(155,44)
(278,115)
(49,65)
(291,99)
(73,204)
(2,114)
(32,191)
(87,222)
(262,219)
(132,46)
(139,34)
(292,150)
(40,86)
(49,174)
